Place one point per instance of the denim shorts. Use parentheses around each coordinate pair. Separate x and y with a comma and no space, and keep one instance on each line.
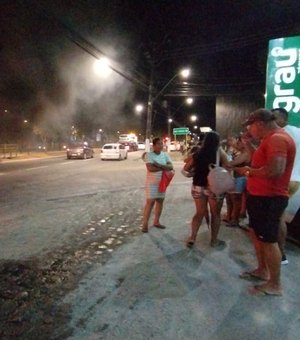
(240,184)
(264,216)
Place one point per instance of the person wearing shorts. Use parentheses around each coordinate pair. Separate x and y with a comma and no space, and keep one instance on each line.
(267,186)
(200,191)
(235,197)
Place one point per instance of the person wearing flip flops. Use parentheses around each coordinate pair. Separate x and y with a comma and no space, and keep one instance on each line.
(267,187)
(201,194)
(156,161)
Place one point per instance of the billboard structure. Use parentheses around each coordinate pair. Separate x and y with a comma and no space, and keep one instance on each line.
(283,77)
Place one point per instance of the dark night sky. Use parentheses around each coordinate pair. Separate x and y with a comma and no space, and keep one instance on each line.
(46,47)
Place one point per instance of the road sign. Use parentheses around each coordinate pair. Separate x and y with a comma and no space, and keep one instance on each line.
(180,131)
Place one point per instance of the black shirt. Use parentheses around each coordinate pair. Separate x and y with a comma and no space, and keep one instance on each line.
(201,163)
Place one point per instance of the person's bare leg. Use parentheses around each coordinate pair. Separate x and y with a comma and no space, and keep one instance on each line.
(147,212)
(282,232)
(158,210)
(215,208)
(237,204)
(243,213)
(272,256)
(262,270)
(229,207)
(201,208)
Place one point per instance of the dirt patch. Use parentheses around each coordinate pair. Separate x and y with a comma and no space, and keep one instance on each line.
(31,290)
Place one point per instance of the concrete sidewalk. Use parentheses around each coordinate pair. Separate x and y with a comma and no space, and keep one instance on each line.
(156,288)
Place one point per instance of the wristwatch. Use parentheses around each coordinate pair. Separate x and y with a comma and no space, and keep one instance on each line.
(247,173)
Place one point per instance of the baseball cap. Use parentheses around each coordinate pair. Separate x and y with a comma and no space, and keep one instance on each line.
(260,115)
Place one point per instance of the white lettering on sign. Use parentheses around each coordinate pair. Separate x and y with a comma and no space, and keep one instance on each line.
(286,72)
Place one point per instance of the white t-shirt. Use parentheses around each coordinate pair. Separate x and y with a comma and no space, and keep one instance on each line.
(294,132)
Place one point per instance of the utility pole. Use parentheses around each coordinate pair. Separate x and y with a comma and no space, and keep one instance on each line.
(149,112)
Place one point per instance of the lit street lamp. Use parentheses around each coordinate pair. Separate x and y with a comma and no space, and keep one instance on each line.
(193,118)
(102,67)
(139,108)
(170,120)
(189,100)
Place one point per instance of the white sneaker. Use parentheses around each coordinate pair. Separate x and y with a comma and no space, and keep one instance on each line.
(284,260)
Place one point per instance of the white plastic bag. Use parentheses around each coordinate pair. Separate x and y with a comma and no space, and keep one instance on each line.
(219,180)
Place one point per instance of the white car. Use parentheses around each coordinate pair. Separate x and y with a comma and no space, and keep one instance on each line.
(174,146)
(141,146)
(113,151)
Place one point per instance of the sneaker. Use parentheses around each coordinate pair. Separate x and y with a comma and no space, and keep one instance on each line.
(284,260)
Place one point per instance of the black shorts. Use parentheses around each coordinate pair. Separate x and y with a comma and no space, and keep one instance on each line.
(264,216)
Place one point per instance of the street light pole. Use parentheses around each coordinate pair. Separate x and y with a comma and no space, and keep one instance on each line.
(184,73)
(149,114)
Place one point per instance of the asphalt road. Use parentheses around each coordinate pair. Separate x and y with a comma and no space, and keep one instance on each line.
(45,201)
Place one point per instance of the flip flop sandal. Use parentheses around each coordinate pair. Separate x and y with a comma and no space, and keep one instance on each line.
(250,276)
(159,226)
(259,290)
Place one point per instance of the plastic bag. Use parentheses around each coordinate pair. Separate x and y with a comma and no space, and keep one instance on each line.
(166,178)
(219,180)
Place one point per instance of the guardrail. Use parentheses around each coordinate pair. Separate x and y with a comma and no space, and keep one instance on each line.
(8,150)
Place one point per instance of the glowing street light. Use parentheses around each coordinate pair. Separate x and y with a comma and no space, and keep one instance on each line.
(189,100)
(139,108)
(102,67)
(193,118)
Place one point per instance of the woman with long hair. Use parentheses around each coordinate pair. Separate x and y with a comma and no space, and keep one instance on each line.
(201,194)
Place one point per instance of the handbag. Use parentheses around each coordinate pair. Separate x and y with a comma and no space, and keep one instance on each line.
(165,180)
(219,179)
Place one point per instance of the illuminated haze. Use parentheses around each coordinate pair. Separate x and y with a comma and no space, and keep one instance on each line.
(50,81)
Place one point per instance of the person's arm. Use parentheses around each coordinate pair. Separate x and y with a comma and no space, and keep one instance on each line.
(153,167)
(274,168)
(167,166)
(223,157)
(189,164)
(240,159)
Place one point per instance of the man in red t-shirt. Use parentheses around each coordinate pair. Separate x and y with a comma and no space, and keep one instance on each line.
(268,180)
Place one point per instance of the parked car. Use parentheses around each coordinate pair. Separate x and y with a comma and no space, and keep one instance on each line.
(130,146)
(174,146)
(113,151)
(80,150)
(141,146)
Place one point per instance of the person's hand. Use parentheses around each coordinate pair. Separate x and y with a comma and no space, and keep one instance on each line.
(241,170)
(157,164)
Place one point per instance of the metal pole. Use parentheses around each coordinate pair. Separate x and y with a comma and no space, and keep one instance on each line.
(149,113)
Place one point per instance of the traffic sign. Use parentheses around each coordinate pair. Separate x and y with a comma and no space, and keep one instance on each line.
(180,131)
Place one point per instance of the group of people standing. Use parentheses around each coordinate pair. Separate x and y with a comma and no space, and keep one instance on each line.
(267,168)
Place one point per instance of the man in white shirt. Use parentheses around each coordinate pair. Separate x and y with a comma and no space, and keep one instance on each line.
(294,188)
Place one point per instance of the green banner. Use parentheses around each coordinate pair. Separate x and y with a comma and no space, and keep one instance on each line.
(283,77)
